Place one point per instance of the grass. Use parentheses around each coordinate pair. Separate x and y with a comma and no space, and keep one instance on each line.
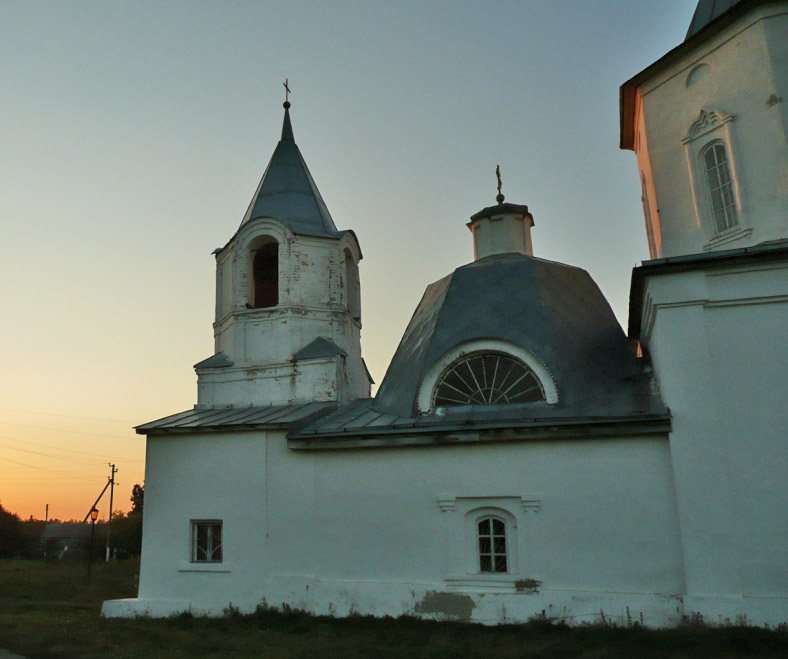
(49,610)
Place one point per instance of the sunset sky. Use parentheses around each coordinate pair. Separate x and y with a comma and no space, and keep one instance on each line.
(134,135)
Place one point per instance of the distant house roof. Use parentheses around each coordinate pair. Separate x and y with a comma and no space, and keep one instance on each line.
(74,531)
(288,193)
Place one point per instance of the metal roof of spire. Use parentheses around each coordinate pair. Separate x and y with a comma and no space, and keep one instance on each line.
(705,12)
(288,193)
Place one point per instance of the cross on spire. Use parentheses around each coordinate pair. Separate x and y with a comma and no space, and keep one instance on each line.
(287,93)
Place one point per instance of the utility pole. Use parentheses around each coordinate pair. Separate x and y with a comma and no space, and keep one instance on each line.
(113,471)
(46,514)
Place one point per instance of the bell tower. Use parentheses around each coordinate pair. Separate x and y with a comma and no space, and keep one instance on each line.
(288,311)
(709,125)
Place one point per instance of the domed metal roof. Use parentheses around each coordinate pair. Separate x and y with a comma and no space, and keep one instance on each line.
(554,311)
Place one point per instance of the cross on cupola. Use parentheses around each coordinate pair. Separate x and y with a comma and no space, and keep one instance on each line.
(499,198)
(502,228)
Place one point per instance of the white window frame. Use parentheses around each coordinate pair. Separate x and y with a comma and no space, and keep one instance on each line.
(194,554)
(477,382)
(710,128)
(492,536)
(726,189)
(433,376)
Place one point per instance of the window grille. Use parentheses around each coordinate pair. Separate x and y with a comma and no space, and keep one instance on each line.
(487,379)
(718,176)
(492,545)
(207,542)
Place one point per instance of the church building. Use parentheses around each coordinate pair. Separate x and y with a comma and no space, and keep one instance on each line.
(523,456)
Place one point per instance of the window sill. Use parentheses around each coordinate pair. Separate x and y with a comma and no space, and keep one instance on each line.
(204,567)
(504,583)
(727,236)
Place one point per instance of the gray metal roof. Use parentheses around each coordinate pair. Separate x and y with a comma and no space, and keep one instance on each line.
(219,360)
(320,347)
(218,419)
(288,193)
(500,209)
(360,425)
(765,251)
(555,311)
(707,11)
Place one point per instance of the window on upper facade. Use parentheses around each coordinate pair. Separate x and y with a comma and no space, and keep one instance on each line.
(716,191)
(492,545)
(487,379)
(206,541)
(720,186)
(265,270)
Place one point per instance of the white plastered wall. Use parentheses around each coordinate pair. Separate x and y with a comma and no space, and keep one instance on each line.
(717,342)
(385,531)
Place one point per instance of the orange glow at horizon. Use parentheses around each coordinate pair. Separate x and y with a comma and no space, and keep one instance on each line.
(63,461)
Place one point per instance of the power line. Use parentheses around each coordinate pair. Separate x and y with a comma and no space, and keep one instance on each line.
(66,416)
(69,458)
(54,471)
(73,432)
(59,448)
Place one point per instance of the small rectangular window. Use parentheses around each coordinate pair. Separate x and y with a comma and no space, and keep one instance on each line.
(206,541)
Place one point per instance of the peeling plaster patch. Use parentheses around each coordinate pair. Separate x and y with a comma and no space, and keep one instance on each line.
(451,605)
(527,585)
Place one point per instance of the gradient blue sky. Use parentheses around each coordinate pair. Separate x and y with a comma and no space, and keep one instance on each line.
(134,135)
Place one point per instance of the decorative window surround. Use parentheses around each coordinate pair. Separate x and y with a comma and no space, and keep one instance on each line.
(463,565)
(204,567)
(447,503)
(730,235)
(529,502)
(708,128)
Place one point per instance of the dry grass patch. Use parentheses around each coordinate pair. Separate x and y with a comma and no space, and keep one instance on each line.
(49,610)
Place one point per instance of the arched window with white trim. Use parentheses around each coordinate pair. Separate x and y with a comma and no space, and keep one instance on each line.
(487,378)
(717,191)
(491,535)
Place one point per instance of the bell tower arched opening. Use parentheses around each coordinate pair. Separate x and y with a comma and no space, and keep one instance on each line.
(352,286)
(265,275)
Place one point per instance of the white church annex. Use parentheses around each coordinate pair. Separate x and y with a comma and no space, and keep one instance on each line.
(521,454)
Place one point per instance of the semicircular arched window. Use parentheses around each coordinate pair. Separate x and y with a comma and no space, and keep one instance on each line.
(489,378)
